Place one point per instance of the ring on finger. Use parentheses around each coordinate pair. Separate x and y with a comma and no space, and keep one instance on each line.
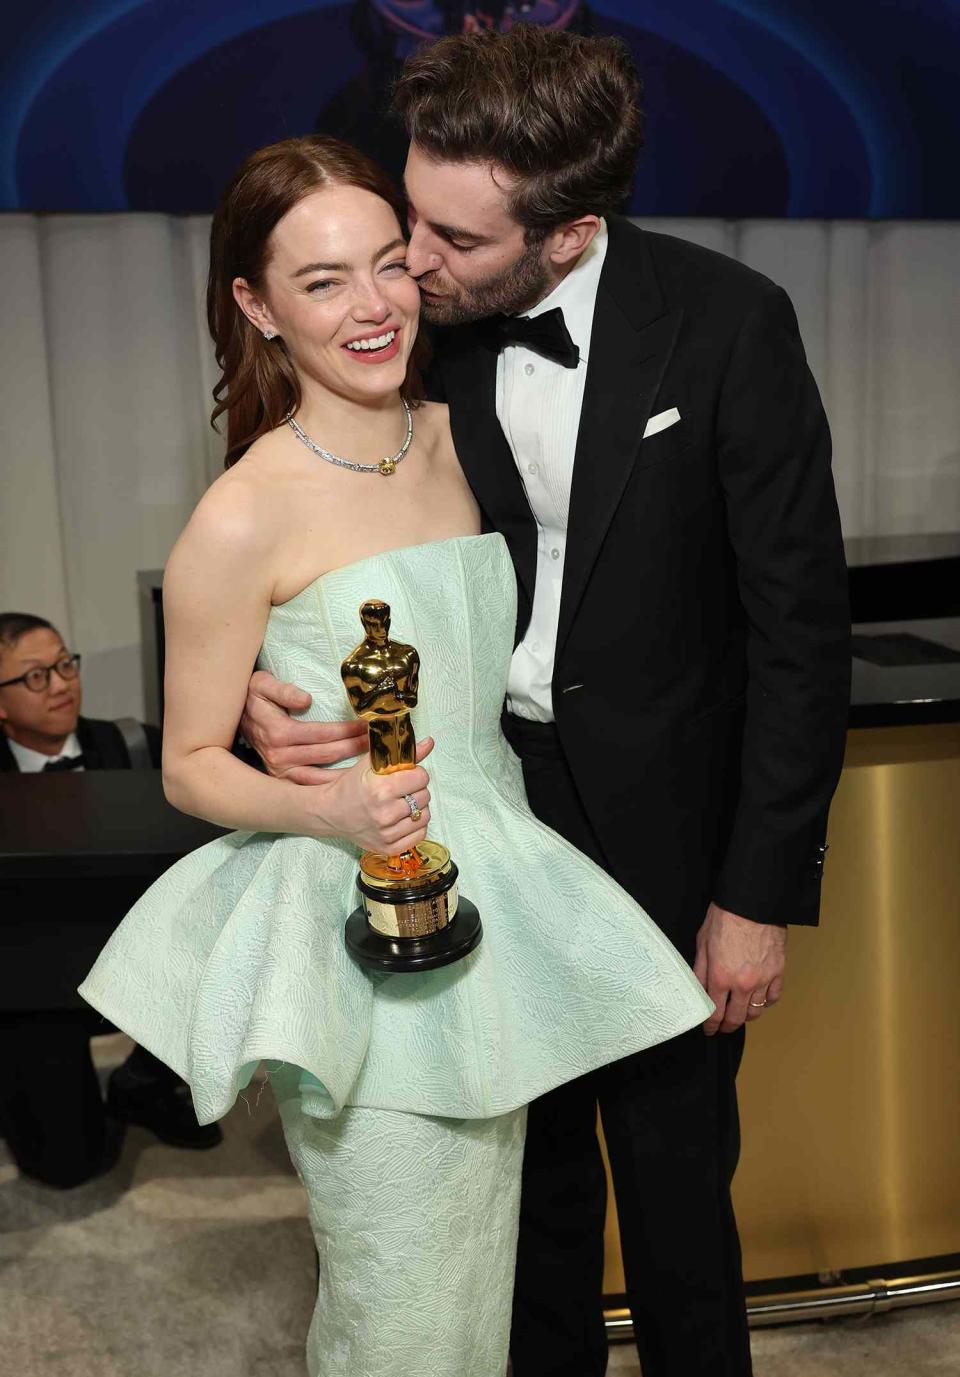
(414,807)
(759,1003)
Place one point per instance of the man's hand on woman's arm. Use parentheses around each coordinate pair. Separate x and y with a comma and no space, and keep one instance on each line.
(290,749)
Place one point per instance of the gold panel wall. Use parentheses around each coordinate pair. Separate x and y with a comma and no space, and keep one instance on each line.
(850,1087)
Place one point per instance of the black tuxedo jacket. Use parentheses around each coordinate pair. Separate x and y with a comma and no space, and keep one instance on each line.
(102,745)
(701,684)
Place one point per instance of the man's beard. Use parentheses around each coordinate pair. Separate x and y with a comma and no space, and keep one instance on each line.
(515,290)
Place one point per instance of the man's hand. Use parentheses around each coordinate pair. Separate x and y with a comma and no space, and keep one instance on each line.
(740,965)
(289,749)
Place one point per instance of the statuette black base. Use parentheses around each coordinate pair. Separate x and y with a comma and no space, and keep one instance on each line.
(394,954)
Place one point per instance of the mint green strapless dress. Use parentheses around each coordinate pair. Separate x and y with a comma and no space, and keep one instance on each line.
(236,956)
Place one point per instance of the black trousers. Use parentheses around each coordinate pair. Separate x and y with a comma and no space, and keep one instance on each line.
(670,1121)
(52,1113)
(51,1110)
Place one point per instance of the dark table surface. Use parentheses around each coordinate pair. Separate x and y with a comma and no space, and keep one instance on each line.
(76,853)
(904,576)
(901,694)
(92,824)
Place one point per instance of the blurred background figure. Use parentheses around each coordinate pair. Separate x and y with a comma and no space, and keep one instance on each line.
(65,1138)
(386,32)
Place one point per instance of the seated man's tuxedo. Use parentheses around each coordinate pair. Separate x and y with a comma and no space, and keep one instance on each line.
(103,746)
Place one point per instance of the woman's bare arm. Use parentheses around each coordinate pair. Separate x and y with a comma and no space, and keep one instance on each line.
(217,597)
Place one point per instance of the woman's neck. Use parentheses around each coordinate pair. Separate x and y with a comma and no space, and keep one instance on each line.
(362,431)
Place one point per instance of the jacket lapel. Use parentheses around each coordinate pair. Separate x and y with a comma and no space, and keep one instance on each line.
(91,739)
(8,761)
(470,378)
(631,342)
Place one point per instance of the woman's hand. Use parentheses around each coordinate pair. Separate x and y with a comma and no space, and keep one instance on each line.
(290,749)
(370,809)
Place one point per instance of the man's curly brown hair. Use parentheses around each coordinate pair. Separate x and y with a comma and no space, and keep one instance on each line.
(557,111)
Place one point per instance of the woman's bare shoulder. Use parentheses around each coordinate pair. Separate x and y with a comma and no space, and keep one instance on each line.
(237,521)
(236,505)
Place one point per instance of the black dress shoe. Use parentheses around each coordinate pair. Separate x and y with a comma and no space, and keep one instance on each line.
(164,1107)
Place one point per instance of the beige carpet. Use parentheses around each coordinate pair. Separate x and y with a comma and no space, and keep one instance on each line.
(182,1264)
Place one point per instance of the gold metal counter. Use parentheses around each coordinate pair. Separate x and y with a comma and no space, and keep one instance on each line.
(850,1087)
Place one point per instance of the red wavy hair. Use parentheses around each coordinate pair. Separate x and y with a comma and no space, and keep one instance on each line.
(258,385)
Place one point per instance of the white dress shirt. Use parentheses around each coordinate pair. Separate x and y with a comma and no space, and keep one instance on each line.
(538,407)
(32,762)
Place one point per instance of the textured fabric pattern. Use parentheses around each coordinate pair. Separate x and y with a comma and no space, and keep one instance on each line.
(415,1221)
(237,952)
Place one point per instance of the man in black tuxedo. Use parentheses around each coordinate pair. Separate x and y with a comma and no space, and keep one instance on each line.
(636,416)
(51,1111)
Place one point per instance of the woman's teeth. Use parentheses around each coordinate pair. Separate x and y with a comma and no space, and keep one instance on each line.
(380,342)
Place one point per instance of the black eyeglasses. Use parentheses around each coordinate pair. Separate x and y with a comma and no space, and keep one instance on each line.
(37,679)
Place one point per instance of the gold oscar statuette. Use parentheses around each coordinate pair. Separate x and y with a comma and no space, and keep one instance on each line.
(411,917)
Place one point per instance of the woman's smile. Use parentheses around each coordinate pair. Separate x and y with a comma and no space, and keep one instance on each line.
(375,347)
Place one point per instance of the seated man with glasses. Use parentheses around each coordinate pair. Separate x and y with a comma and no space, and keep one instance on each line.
(65,1139)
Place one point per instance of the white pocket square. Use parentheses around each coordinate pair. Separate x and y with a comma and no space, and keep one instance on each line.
(660,422)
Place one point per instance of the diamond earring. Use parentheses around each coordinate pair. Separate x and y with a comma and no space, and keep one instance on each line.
(269,334)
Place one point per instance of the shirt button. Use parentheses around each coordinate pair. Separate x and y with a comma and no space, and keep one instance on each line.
(529,369)
(534,646)
(533,468)
(554,553)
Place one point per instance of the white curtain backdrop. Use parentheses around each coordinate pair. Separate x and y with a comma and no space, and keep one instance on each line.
(106,370)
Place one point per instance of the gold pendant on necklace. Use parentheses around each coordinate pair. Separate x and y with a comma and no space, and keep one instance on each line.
(387,467)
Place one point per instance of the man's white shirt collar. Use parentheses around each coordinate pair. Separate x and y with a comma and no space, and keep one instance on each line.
(576,294)
(32,762)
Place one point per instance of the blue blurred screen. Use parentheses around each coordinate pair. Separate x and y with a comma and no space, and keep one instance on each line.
(780,108)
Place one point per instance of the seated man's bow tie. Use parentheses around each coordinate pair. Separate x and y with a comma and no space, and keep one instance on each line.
(66,762)
(547,335)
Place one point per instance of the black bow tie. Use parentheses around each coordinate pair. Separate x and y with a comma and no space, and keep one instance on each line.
(546,335)
(66,762)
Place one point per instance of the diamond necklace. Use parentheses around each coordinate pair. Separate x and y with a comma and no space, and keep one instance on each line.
(386,466)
